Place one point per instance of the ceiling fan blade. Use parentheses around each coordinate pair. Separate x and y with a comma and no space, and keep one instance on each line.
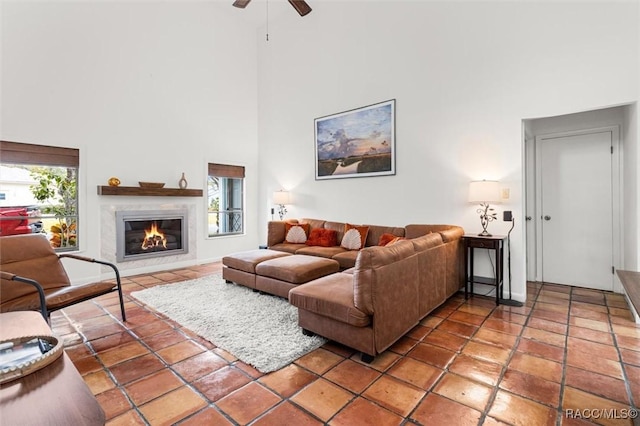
(241,3)
(300,6)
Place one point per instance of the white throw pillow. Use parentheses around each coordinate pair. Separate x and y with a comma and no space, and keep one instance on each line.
(352,240)
(296,235)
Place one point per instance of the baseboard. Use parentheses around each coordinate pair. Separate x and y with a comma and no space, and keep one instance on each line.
(490,291)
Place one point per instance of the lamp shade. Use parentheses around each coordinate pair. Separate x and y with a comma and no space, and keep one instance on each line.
(482,191)
(281,197)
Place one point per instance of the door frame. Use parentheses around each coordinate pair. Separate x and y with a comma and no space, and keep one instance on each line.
(534,197)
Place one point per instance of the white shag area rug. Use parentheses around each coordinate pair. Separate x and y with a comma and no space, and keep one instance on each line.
(259,329)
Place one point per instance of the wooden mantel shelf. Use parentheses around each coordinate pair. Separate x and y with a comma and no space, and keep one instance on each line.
(148,192)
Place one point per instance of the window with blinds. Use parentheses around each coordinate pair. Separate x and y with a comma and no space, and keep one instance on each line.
(38,192)
(225,192)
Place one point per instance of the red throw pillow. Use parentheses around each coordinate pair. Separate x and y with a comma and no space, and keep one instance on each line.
(389,239)
(296,233)
(395,240)
(322,237)
(354,237)
(385,239)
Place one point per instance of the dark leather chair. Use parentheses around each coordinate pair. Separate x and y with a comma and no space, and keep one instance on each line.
(32,277)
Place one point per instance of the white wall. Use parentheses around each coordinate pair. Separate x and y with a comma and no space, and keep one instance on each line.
(145,90)
(464,74)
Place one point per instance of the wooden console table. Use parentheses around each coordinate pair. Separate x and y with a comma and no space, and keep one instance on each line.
(53,395)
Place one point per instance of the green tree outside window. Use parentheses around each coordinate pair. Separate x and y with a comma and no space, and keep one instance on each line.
(56,188)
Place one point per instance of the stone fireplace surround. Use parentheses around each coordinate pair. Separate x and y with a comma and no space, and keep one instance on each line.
(108,247)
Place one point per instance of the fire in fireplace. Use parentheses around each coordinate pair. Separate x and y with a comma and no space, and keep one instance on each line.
(144,234)
(154,238)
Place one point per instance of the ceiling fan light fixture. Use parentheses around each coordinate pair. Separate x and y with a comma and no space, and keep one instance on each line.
(300,6)
(241,3)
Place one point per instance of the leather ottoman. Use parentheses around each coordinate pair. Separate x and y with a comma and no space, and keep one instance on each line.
(278,276)
(240,268)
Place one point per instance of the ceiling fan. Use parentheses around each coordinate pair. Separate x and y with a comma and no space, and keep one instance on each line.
(300,6)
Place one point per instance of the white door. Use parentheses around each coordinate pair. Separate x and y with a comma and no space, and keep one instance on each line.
(575,209)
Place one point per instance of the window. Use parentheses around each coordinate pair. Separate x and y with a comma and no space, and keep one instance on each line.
(38,192)
(225,188)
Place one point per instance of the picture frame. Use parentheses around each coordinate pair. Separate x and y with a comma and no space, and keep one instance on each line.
(356,143)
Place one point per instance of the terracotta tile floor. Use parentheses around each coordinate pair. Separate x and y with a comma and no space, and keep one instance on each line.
(569,350)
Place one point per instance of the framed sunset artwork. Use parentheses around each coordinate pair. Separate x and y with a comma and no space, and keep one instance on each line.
(356,143)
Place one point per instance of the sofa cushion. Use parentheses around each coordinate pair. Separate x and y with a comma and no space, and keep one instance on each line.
(328,252)
(247,260)
(287,247)
(354,237)
(313,223)
(297,269)
(426,241)
(322,237)
(347,258)
(418,230)
(336,226)
(296,233)
(330,296)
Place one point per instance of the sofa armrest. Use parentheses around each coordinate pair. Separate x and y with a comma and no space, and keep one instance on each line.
(452,234)
(417,230)
(369,264)
(275,232)
(385,287)
(395,302)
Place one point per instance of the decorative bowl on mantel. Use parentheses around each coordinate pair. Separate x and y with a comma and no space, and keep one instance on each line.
(151,184)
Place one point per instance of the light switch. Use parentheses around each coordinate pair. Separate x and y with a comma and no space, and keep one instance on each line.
(505,193)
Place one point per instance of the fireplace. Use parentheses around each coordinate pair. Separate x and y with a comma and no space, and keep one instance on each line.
(144,234)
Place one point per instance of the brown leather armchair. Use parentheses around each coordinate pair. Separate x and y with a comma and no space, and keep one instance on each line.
(30,259)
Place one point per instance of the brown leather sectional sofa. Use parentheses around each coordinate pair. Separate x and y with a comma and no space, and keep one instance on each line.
(346,258)
(382,292)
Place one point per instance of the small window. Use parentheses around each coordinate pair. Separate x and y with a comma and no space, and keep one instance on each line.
(225,188)
(39,186)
